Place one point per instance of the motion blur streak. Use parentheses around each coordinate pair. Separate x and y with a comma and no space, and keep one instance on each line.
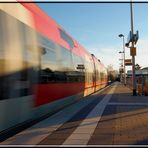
(42,68)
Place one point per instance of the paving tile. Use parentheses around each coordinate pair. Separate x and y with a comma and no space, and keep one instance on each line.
(79,136)
(75,142)
(57,136)
(127,124)
(120,124)
(51,142)
(84,131)
(96,141)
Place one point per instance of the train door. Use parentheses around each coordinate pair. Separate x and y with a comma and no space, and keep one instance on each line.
(94,73)
(89,76)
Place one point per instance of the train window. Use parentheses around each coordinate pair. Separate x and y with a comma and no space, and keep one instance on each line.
(49,59)
(97,74)
(17,59)
(78,75)
(3,37)
(46,43)
(97,71)
(9,74)
(55,62)
(102,76)
(67,38)
(28,74)
(65,63)
(3,79)
(89,72)
(65,59)
(48,65)
(77,61)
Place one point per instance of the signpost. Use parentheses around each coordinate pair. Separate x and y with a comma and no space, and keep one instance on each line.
(132,47)
(128,62)
(132,38)
(133,51)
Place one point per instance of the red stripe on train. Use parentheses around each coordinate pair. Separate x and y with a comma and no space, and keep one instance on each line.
(46,93)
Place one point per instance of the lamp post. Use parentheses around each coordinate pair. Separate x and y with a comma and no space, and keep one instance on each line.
(122,65)
(122,36)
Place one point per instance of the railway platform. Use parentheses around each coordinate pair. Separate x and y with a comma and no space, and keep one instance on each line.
(111,116)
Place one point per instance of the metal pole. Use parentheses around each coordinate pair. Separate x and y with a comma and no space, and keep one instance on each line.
(122,65)
(124,62)
(142,83)
(133,57)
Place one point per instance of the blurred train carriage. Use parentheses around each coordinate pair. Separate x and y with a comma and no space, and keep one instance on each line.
(39,70)
(141,80)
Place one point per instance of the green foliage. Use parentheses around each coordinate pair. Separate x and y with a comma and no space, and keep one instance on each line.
(137,67)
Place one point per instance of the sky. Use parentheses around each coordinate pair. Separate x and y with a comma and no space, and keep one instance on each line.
(96,27)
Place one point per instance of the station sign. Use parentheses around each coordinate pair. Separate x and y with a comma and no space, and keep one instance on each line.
(80,66)
(128,62)
(133,51)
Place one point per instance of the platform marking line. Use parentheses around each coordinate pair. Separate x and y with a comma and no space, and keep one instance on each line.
(128,103)
(89,123)
(41,130)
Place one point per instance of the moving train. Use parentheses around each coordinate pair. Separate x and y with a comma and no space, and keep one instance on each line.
(42,68)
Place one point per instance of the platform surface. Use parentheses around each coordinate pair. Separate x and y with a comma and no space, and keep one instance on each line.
(111,116)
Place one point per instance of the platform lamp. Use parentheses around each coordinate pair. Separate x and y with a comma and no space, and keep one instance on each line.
(121,67)
(122,36)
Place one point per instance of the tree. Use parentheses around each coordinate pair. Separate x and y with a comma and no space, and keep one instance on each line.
(137,67)
(112,74)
